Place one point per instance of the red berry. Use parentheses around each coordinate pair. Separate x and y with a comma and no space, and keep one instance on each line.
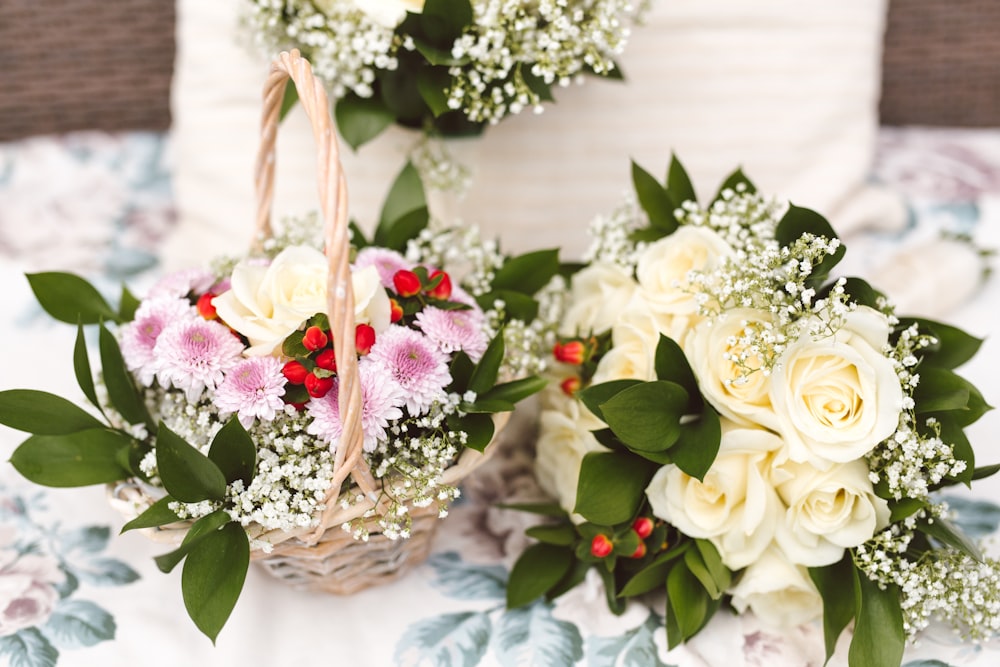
(326,360)
(570,385)
(205,307)
(643,526)
(572,352)
(318,387)
(443,288)
(407,283)
(396,311)
(640,551)
(601,546)
(364,338)
(294,372)
(314,339)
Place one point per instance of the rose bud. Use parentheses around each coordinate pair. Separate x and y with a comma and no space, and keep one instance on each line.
(407,283)
(318,387)
(640,551)
(570,385)
(443,289)
(643,526)
(601,546)
(364,338)
(294,372)
(572,352)
(327,360)
(395,311)
(314,339)
(205,307)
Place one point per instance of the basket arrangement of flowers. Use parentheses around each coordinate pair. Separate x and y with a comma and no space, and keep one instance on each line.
(450,67)
(307,405)
(734,427)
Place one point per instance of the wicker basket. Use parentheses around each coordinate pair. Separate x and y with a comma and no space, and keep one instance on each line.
(325,557)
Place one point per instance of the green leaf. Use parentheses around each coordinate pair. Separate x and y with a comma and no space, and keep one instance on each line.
(952,434)
(985,471)
(654,575)
(698,444)
(559,534)
(839,602)
(527,273)
(461,372)
(213,577)
(596,395)
(484,377)
(187,474)
(400,232)
(954,346)
(654,200)
(940,390)
(687,599)
(486,406)
(433,84)
(122,392)
(405,195)
(710,558)
(679,187)
(81,368)
(612,486)
(798,221)
(444,21)
(672,365)
(516,390)
(947,533)
(233,452)
(535,83)
(904,507)
(69,298)
(694,563)
(361,119)
(733,181)
(157,514)
(198,531)
(128,305)
(517,305)
(862,292)
(646,417)
(478,426)
(878,631)
(74,459)
(539,568)
(43,413)
(288,101)
(573,578)
(436,56)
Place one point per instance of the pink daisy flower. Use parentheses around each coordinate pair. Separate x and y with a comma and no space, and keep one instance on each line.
(194,355)
(181,283)
(385,261)
(252,389)
(381,400)
(453,330)
(138,337)
(415,362)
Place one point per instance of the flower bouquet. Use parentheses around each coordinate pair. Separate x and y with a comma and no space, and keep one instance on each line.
(299,407)
(446,66)
(736,428)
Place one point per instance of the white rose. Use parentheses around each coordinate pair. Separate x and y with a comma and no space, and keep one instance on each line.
(778,592)
(267,302)
(27,590)
(735,506)
(634,339)
(744,400)
(388,13)
(563,441)
(599,295)
(837,397)
(828,511)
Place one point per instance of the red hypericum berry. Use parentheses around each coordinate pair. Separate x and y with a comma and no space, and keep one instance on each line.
(318,387)
(364,338)
(205,307)
(570,385)
(601,546)
(294,372)
(407,283)
(326,360)
(443,289)
(571,352)
(643,526)
(314,339)
(395,311)
(640,551)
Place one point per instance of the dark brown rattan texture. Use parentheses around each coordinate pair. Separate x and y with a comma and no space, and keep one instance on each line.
(85,64)
(942,63)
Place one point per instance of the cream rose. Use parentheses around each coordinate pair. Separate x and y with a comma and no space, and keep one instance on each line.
(267,302)
(599,295)
(837,397)
(735,506)
(778,592)
(711,347)
(563,441)
(827,511)
(634,339)
(27,590)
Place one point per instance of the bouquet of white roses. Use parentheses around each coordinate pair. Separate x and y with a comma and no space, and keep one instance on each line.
(314,397)
(446,66)
(734,427)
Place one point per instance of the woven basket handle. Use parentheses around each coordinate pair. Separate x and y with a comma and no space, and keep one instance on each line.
(333,205)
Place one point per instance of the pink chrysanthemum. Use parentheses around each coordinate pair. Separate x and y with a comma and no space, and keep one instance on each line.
(381,400)
(178,285)
(194,355)
(385,261)
(252,389)
(415,362)
(138,337)
(453,330)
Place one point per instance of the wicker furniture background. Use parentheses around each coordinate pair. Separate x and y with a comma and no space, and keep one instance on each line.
(79,64)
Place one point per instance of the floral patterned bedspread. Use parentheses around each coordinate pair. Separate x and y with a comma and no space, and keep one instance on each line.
(71,593)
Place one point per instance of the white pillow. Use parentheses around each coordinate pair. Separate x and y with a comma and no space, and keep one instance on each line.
(785,89)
